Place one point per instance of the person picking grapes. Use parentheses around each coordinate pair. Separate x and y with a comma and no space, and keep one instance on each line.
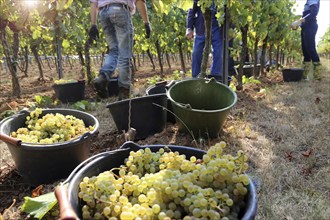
(308,24)
(116,21)
(195,23)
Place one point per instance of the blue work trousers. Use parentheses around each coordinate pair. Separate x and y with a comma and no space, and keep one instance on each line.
(117,26)
(308,33)
(199,43)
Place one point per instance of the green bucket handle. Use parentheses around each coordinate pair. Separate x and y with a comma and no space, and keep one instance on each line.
(211,80)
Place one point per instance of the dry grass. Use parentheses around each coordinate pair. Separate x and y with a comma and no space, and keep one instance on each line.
(286,136)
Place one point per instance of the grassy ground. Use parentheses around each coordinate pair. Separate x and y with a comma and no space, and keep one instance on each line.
(289,148)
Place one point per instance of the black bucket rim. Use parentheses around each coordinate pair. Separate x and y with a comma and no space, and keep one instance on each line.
(293,69)
(134,99)
(152,87)
(69,83)
(211,80)
(56,146)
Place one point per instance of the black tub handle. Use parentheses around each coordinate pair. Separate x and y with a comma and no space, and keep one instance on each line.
(130,145)
(20,113)
(82,164)
(170,84)
(23,112)
(160,83)
(85,136)
(66,210)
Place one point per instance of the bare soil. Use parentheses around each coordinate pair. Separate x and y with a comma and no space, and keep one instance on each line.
(283,129)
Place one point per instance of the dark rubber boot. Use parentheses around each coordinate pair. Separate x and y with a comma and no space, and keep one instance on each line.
(123,93)
(307,70)
(317,71)
(101,86)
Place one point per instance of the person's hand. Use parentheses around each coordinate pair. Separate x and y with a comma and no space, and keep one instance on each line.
(147,27)
(93,34)
(189,33)
(295,24)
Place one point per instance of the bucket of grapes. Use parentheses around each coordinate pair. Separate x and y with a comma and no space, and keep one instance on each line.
(68,90)
(47,144)
(160,182)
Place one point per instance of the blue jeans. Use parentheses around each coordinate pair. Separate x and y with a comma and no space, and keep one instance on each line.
(308,33)
(117,26)
(199,42)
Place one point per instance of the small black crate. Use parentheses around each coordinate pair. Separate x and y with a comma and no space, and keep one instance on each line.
(292,74)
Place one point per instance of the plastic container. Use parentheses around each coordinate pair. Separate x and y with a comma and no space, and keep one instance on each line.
(145,116)
(161,88)
(108,160)
(248,70)
(46,163)
(201,106)
(70,92)
(292,74)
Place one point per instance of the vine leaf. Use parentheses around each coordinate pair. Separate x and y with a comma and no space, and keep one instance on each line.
(39,206)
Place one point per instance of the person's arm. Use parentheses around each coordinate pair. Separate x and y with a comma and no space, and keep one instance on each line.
(190,24)
(93,12)
(314,9)
(142,9)
(93,31)
(190,19)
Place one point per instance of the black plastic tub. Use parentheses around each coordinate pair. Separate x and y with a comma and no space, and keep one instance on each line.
(70,92)
(108,160)
(147,114)
(248,70)
(292,74)
(161,88)
(46,163)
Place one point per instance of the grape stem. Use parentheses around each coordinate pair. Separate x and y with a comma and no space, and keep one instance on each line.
(100,200)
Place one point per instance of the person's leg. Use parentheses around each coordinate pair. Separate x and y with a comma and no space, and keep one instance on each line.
(317,68)
(310,47)
(109,66)
(216,67)
(307,59)
(304,44)
(197,55)
(124,33)
(231,64)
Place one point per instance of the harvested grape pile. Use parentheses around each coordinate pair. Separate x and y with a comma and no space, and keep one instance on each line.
(167,185)
(50,128)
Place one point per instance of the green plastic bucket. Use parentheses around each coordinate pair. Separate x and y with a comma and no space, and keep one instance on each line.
(201,106)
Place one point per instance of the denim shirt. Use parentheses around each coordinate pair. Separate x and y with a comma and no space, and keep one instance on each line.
(312,8)
(102,3)
(195,19)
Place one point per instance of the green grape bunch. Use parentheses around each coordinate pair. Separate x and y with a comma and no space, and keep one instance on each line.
(50,128)
(166,185)
(64,81)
